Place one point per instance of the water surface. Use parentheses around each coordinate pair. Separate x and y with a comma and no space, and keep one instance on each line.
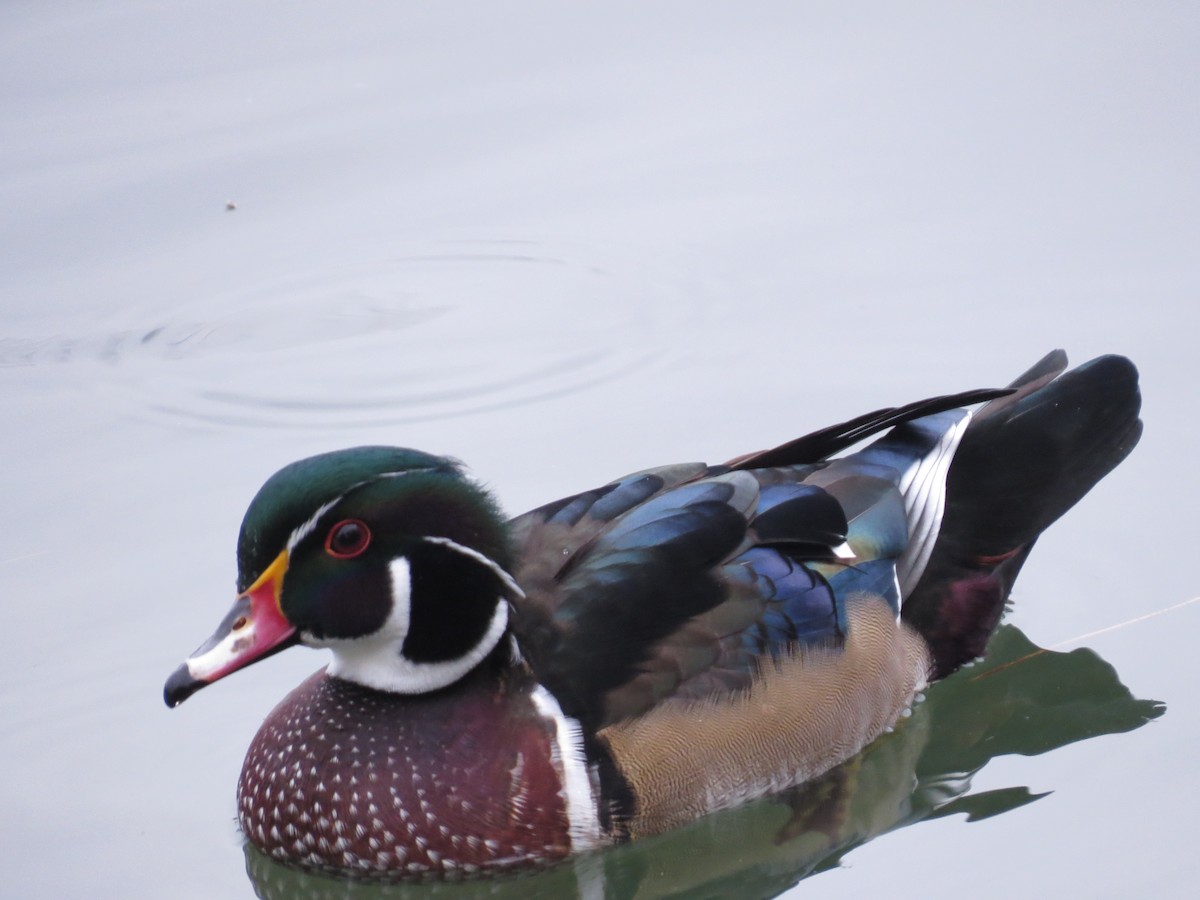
(563,244)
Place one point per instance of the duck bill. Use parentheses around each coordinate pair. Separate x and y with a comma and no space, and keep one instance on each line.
(254,629)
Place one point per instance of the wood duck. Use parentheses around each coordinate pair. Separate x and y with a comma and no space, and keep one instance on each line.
(631,658)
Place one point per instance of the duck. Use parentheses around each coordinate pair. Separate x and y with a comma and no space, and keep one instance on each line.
(506,693)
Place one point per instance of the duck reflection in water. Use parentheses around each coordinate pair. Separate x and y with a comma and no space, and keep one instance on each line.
(1019,699)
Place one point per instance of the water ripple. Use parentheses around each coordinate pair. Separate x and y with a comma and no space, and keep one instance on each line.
(442,330)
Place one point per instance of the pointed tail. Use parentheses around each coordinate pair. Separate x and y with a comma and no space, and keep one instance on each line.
(1024,460)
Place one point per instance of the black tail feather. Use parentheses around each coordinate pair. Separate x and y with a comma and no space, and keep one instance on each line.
(1024,460)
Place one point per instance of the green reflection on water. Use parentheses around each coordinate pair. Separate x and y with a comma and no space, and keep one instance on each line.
(1021,699)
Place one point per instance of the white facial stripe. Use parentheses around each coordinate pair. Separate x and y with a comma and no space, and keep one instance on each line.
(376,661)
(306,528)
(568,754)
(402,473)
(480,558)
(301,532)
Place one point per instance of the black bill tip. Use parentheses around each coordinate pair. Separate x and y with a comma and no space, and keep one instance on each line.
(180,686)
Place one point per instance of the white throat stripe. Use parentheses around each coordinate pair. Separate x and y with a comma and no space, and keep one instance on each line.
(377,661)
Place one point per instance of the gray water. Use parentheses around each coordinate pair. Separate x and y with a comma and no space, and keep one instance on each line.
(563,243)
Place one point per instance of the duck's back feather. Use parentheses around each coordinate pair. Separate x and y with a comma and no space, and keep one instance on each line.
(681,583)
(676,584)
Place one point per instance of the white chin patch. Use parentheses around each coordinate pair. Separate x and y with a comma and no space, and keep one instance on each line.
(376,661)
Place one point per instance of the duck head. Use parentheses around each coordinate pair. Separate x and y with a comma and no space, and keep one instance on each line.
(391,558)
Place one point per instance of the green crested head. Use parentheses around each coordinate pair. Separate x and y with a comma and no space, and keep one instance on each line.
(441,501)
(391,558)
(387,544)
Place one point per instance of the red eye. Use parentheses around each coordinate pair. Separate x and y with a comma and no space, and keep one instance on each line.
(347,539)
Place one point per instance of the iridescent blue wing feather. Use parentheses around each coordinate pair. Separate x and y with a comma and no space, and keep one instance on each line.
(685,589)
(681,582)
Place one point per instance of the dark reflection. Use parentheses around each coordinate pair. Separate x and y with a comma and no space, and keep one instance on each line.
(1021,699)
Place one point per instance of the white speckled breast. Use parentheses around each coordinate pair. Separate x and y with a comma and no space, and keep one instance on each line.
(343,778)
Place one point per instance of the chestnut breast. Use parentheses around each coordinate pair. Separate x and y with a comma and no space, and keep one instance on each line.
(343,777)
